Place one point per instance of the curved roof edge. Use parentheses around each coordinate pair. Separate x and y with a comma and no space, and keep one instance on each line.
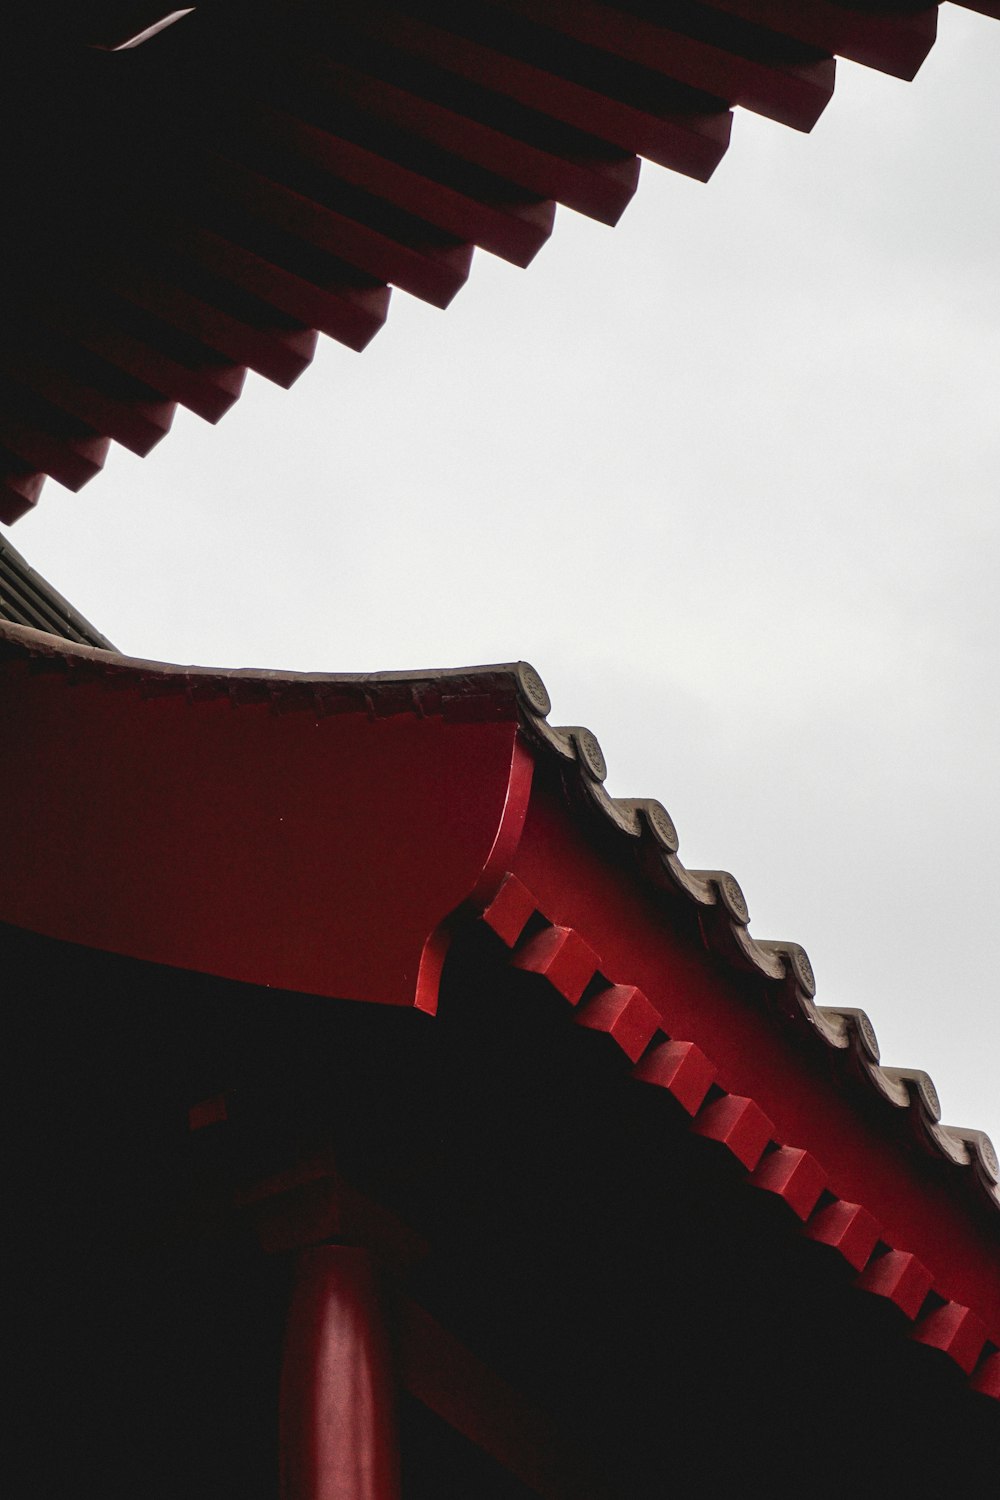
(641,827)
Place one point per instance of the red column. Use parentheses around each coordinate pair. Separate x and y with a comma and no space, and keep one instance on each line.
(338,1431)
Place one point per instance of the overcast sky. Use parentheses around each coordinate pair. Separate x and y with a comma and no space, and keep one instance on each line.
(726,475)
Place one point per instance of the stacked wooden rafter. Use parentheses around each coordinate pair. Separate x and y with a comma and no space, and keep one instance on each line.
(210,200)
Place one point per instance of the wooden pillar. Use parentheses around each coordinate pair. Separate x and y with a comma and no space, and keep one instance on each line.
(338,1428)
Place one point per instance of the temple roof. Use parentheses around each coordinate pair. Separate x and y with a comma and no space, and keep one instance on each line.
(210,200)
(331,833)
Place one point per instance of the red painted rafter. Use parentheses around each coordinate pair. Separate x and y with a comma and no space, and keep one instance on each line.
(692,143)
(794,95)
(378,143)
(562,957)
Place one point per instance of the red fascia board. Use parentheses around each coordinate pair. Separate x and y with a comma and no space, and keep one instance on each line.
(181,818)
(638,938)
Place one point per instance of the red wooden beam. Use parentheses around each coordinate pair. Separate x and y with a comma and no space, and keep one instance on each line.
(448,1379)
(176,815)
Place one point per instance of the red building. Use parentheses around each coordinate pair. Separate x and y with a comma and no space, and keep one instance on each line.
(391,1111)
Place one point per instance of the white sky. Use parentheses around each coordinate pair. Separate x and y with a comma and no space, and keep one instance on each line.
(726,475)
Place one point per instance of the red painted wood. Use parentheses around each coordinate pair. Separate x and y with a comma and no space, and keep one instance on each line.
(508,832)
(72,460)
(275,353)
(986,1378)
(212,1111)
(692,144)
(431,271)
(794,96)
(337,1406)
(738,1124)
(19,491)
(624,1013)
(846,1227)
(287,849)
(900,1277)
(601,187)
(682,1069)
(138,425)
(510,909)
(452,1382)
(564,959)
(97,325)
(652,940)
(311,1203)
(792,1175)
(956,1331)
(515,233)
(352,131)
(351,316)
(895,42)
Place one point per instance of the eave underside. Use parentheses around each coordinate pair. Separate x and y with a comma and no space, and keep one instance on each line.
(561,1225)
(212,200)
